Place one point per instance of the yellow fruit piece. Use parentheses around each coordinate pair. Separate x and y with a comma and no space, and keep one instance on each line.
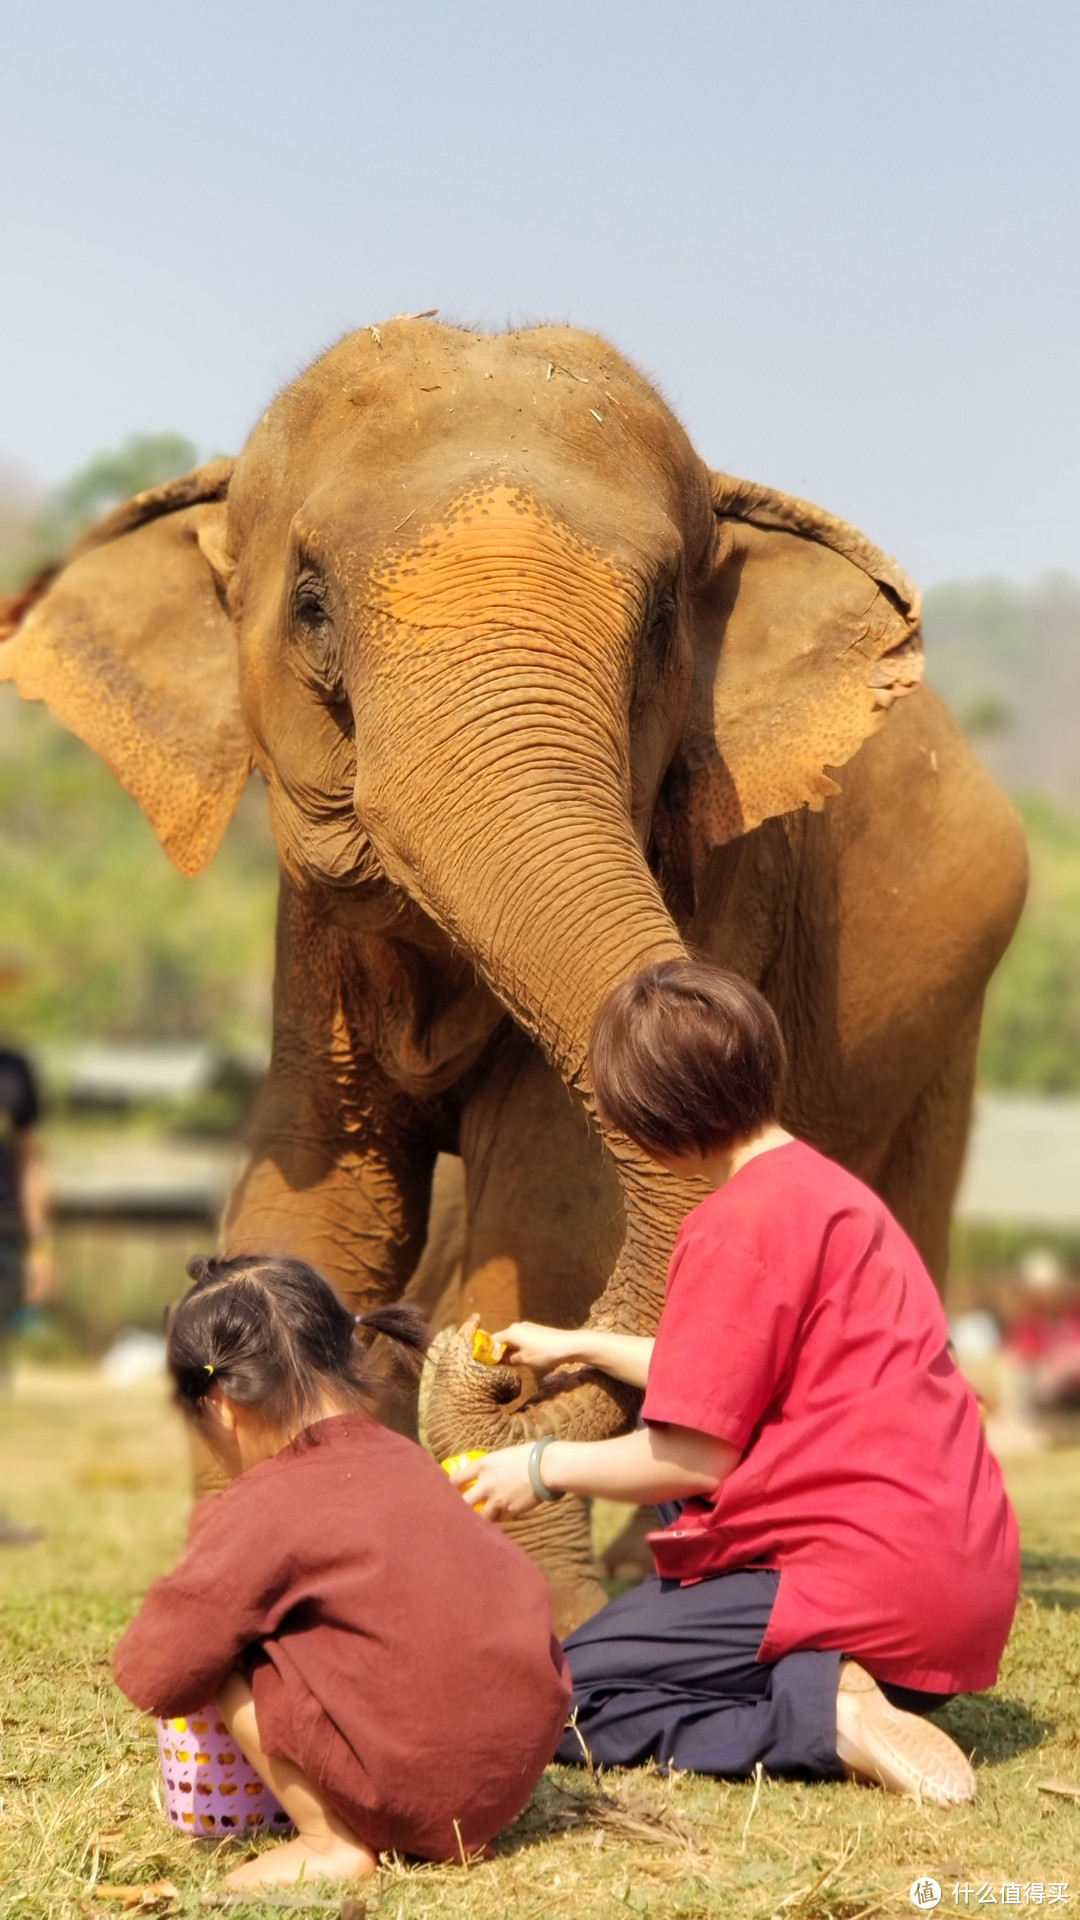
(455,1460)
(488,1351)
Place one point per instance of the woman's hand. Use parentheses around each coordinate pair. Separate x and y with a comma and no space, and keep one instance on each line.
(650,1464)
(499,1483)
(625,1356)
(528,1344)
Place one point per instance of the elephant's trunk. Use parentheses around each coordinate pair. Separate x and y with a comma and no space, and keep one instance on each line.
(516,691)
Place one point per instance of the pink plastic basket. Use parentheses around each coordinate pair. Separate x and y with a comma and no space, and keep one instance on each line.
(210,1789)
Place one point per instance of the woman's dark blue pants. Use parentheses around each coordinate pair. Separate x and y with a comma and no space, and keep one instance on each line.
(670,1674)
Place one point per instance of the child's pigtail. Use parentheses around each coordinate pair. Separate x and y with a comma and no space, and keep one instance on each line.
(193,1383)
(403,1324)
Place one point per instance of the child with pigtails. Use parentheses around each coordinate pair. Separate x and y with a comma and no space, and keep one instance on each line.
(361,1632)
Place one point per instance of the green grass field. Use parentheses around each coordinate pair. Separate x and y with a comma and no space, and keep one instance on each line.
(104,1471)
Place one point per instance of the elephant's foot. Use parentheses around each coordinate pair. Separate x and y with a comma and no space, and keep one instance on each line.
(570,1608)
(558,1538)
(629,1558)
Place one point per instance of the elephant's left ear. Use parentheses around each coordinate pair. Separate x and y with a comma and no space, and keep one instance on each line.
(131,646)
(804,636)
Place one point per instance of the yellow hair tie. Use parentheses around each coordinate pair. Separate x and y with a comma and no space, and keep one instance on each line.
(208,1368)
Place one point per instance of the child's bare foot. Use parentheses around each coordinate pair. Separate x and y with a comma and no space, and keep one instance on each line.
(317,1857)
(325,1848)
(900,1751)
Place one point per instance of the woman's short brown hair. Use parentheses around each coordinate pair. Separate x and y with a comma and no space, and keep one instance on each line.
(686,1058)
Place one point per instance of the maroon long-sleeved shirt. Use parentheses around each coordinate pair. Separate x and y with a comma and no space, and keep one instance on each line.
(400,1648)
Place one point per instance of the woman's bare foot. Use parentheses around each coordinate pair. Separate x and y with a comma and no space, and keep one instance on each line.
(316,1857)
(900,1751)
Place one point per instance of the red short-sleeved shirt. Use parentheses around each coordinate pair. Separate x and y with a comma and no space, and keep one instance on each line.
(801,1326)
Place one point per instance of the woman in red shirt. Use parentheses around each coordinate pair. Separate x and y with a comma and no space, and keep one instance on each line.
(328,1597)
(844,1557)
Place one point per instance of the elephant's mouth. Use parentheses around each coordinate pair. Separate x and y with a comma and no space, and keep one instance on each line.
(321,843)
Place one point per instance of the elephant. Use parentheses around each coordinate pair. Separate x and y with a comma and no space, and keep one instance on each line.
(538,698)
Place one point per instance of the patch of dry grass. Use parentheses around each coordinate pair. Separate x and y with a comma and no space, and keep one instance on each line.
(105,1472)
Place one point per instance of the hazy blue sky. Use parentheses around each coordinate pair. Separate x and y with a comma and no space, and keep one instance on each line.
(842,237)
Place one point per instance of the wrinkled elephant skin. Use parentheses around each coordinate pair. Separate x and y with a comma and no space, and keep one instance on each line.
(538,699)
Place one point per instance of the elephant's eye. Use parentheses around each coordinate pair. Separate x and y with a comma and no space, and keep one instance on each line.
(659,640)
(313,629)
(309,602)
(662,626)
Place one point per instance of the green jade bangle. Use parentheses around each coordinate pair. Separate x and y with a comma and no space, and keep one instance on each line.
(535,1477)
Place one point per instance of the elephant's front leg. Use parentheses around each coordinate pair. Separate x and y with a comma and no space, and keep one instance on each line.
(348,1194)
(545,1225)
(350,1199)
(341,1159)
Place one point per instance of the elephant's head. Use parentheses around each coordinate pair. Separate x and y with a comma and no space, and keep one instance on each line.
(510,657)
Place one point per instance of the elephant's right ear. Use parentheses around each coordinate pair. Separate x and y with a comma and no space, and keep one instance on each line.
(804,636)
(131,646)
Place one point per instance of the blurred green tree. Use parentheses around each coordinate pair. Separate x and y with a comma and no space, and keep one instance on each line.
(1031,1028)
(116,943)
(146,460)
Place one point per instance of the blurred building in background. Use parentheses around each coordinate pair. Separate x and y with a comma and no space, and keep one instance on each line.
(143,1144)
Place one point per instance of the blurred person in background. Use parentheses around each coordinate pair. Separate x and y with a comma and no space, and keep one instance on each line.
(1042,1336)
(26,1275)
